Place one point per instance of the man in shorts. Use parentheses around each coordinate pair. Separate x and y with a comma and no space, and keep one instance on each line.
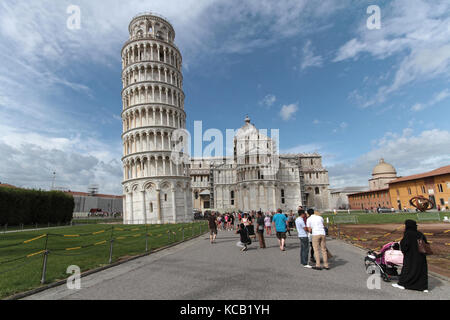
(212,227)
(280,222)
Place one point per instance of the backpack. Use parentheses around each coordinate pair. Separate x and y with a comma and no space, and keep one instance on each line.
(248,237)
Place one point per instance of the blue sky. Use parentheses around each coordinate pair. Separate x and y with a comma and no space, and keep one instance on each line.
(311,69)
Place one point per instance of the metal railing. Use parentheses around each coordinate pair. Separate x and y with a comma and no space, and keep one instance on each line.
(107,237)
(150,13)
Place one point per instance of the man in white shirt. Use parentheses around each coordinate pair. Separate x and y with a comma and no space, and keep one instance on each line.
(303,236)
(316,228)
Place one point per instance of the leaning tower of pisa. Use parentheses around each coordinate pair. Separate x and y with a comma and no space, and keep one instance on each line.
(156,189)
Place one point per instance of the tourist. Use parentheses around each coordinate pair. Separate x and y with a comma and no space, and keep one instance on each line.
(244,219)
(303,236)
(232,221)
(268,224)
(244,237)
(218,220)
(250,227)
(226,217)
(212,228)
(414,274)
(310,212)
(280,222)
(260,230)
(317,229)
(291,222)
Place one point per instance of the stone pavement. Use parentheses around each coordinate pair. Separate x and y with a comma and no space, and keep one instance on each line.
(198,270)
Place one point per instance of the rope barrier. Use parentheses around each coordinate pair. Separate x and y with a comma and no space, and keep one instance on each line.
(79,235)
(34,239)
(12,260)
(395,230)
(63,251)
(35,254)
(20,266)
(342,234)
(23,242)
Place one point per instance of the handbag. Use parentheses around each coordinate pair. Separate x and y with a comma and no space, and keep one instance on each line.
(394,257)
(424,247)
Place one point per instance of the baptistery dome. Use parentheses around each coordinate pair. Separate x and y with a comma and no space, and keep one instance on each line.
(384,168)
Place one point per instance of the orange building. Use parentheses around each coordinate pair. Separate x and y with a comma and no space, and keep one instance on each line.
(434,185)
(378,195)
(370,200)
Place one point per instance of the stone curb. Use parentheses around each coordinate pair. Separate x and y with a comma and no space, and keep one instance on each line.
(21,295)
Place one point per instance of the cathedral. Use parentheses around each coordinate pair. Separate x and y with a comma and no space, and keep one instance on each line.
(256,177)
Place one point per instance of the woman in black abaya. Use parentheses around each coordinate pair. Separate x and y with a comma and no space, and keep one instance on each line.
(414,274)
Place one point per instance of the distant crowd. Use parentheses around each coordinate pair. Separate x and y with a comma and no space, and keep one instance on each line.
(255,224)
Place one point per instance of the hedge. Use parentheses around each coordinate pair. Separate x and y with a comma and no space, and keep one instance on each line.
(21,206)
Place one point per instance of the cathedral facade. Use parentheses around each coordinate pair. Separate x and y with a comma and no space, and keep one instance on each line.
(256,177)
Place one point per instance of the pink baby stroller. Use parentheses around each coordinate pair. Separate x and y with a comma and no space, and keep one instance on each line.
(386,261)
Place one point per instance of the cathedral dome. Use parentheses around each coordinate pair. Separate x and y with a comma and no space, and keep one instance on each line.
(383,168)
(246,130)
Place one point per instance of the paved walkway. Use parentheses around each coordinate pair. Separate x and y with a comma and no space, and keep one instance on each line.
(198,270)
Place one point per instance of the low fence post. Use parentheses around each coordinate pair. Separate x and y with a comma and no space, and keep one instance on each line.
(146,238)
(44,263)
(111,244)
(338,231)
(182,230)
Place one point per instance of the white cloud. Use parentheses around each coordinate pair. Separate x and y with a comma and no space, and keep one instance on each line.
(288,111)
(341,127)
(438,97)
(416,30)
(268,100)
(418,107)
(28,160)
(308,58)
(408,153)
(303,148)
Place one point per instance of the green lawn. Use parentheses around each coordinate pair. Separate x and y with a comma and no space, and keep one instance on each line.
(375,218)
(21,271)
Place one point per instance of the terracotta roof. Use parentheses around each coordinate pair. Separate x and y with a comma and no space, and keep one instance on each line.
(434,173)
(370,191)
(5,185)
(98,195)
(349,189)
